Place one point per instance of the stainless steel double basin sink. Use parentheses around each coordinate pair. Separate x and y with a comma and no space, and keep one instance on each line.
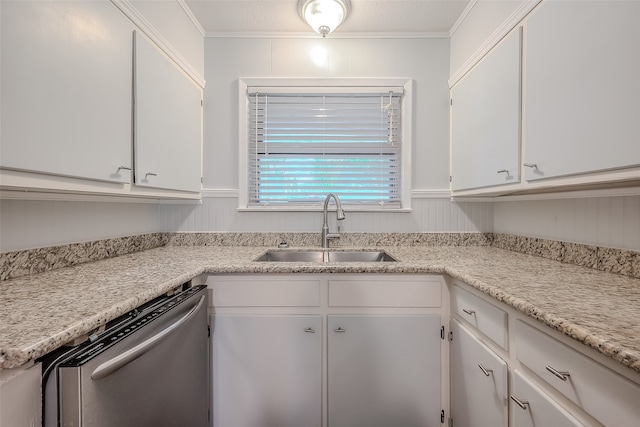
(325,255)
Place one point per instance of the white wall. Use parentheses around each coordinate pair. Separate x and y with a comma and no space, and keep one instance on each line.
(425,60)
(432,215)
(29,224)
(484,17)
(602,221)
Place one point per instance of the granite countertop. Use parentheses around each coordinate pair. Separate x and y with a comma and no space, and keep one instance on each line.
(42,312)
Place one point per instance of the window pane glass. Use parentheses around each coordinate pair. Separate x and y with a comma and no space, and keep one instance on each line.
(304,146)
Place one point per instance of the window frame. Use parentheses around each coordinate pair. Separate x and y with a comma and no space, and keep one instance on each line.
(406,136)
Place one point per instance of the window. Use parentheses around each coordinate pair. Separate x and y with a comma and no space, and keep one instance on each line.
(303,142)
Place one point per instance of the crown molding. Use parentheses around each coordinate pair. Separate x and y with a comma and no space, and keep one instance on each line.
(509,24)
(126,7)
(462,17)
(312,35)
(187,10)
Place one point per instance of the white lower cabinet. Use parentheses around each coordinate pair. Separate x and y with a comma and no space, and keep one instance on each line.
(553,381)
(608,397)
(322,350)
(478,382)
(383,371)
(532,407)
(267,371)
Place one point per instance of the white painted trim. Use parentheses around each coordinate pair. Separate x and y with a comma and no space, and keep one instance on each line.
(583,194)
(211,193)
(415,194)
(407,125)
(462,17)
(149,30)
(72,197)
(431,194)
(313,35)
(319,208)
(509,24)
(187,11)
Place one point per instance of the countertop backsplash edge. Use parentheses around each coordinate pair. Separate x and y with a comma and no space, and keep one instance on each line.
(33,261)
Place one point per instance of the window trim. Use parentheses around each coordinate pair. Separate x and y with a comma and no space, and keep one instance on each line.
(405,131)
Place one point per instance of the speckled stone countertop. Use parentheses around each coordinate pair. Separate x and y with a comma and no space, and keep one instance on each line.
(40,313)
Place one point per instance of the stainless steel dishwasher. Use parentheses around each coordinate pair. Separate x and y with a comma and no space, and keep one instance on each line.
(148,368)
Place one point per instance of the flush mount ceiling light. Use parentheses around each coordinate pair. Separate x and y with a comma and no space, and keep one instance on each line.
(324,16)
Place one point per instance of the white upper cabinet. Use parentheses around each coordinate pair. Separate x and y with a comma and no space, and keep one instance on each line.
(66,89)
(167,122)
(485,128)
(582,88)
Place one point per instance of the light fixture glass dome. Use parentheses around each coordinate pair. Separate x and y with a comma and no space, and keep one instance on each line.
(323,16)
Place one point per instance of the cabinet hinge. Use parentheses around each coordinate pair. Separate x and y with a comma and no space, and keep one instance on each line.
(450,178)
(442,333)
(451,102)
(450,422)
(450,335)
(442,417)
(208,330)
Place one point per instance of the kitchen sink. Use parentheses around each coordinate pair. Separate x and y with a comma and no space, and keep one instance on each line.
(320,255)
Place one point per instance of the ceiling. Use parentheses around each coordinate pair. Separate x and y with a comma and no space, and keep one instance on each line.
(263,17)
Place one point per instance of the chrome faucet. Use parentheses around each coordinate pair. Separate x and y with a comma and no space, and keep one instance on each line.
(326,234)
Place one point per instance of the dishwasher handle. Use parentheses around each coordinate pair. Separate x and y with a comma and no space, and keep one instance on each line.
(133,353)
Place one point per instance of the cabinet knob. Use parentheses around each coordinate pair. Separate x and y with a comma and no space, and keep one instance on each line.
(504,171)
(521,403)
(123,168)
(485,371)
(339,329)
(310,330)
(469,312)
(148,174)
(563,375)
(531,165)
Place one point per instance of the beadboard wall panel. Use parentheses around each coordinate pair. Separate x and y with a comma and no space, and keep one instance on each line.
(601,221)
(29,224)
(428,216)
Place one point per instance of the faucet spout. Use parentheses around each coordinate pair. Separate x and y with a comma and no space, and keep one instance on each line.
(326,234)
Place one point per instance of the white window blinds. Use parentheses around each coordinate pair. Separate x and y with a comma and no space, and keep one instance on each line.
(303,145)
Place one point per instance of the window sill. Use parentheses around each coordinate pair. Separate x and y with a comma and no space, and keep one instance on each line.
(347,208)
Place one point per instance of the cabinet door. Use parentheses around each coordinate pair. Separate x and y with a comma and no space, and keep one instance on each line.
(384,371)
(531,407)
(478,382)
(21,396)
(266,371)
(66,89)
(582,88)
(167,125)
(485,120)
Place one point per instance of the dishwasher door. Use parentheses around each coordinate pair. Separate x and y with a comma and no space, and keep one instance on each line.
(156,375)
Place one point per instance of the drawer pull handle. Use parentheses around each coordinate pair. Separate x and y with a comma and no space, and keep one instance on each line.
(521,403)
(310,330)
(485,371)
(563,375)
(469,312)
(339,329)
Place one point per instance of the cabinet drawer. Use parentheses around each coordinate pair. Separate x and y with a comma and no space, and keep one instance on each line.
(532,407)
(606,395)
(264,293)
(393,292)
(486,317)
